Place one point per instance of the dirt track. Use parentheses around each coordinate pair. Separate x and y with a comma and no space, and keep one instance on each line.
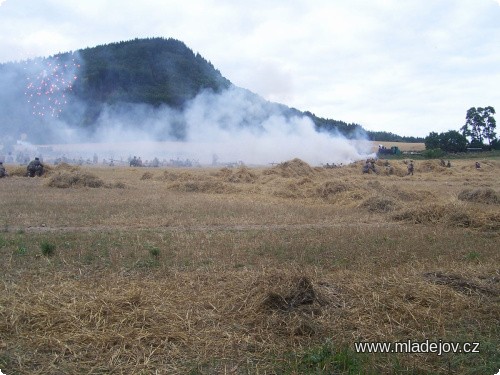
(201,228)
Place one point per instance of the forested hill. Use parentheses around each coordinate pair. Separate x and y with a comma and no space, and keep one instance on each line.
(75,88)
(152,71)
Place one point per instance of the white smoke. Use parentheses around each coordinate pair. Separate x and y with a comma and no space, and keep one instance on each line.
(221,119)
(235,125)
(232,126)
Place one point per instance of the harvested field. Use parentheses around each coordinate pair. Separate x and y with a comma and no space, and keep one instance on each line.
(403,146)
(278,270)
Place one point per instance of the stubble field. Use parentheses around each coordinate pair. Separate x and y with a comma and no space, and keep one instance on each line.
(277,270)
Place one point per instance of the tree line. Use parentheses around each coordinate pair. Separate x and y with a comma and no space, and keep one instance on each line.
(478,132)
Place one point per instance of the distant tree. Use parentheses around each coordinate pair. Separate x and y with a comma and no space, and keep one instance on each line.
(495,144)
(432,141)
(489,124)
(479,125)
(450,141)
(383,136)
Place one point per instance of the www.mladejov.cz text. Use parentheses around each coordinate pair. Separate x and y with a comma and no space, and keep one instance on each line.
(409,346)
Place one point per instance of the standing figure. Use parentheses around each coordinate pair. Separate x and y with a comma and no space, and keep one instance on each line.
(410,168)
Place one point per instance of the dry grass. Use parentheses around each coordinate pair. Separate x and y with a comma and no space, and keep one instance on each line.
(213,271)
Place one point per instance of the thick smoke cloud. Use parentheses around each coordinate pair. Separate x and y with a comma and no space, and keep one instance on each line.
(233,126)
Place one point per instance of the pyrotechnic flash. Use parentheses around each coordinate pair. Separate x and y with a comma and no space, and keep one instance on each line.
(48,82)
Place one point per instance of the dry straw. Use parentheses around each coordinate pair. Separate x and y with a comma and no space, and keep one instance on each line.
(253,268)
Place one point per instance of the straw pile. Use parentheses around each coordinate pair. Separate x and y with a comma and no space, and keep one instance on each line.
(429,166)
(293,168)
(203,186)
(169,175)
(452,214)
(67,179)
(480,195)
(461,284)
(379,204)
(147,176)
(242,175)
(19,171)
(331,188)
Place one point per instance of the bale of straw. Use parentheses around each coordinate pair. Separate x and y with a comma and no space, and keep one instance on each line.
(379,204)
(480,195)
(292,168)
(147,176)
(19,171)
(396,169)
(299,291)
(176,176)
(429,166)
(330,188)
(423,214)
(450,214)
(241,175)
(285,305)
(64,179)
(291,190)
(66,167)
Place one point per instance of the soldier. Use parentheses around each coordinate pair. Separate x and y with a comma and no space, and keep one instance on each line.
(367,167)
(410,168)
(35,168)
(448,165)
(3,172)
(478,166)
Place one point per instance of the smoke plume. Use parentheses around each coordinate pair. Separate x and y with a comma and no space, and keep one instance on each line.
(234,126)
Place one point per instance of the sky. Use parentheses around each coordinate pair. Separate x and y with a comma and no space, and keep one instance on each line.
(408,67)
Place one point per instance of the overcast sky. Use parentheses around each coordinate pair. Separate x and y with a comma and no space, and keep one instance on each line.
(404,66)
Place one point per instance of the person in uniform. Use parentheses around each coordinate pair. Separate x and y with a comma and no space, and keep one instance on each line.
(35,168)
(411,168)
(3,172)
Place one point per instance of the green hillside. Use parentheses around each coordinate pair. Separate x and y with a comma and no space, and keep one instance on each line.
(153,71)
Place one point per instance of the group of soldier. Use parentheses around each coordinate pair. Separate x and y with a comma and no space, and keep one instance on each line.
(34,168)
(370,167)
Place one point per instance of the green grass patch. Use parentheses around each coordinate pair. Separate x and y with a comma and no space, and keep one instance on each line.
(48,248)
(324,359)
